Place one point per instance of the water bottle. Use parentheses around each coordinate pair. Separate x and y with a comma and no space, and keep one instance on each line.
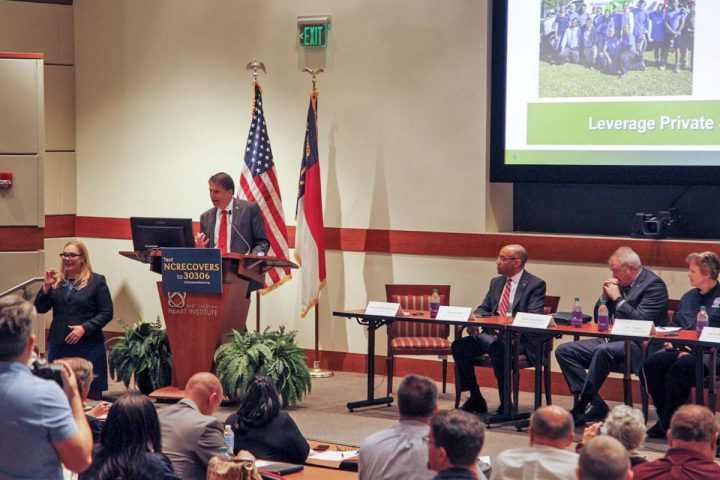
(229,440)
(603,319)
(224,454)
(577,316)
(434,303)
(702,321)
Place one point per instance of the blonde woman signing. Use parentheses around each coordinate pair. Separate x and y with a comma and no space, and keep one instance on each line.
(81,305)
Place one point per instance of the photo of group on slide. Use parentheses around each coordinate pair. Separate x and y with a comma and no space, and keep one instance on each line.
(648,46)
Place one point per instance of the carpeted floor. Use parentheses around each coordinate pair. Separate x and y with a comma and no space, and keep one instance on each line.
(324,416)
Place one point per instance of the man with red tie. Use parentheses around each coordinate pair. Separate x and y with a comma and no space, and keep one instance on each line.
(515,290)
(232,225)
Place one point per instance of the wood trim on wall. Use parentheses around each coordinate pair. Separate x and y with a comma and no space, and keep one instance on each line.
(549,248)
(21,55)
(53,2)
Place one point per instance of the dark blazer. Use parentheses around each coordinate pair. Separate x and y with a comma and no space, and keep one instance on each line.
(646,299)
(278,440)
(248,226)
(529,296)
(90,307)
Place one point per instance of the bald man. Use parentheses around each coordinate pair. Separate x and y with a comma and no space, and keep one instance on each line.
(552,431)
(514,290)
(191,436)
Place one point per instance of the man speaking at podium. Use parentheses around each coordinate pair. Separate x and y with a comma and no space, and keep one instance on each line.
(232,225)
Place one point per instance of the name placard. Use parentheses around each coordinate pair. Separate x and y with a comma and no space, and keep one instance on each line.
(382,309)
(191,270)
(633,328)
(455,314)
(533,320)
(710,334)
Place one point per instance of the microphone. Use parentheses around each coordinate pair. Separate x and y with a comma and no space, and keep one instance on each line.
(241,238)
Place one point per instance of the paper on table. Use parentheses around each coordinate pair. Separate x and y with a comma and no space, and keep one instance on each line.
(263,463)
(667,329)
(334,456)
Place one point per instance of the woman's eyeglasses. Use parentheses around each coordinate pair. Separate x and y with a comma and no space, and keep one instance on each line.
(70,255)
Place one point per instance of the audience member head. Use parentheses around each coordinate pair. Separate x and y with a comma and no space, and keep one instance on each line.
(417,397)
(259,403)
(83,370)
(511,260)
(552,426)
(694,427)
(627,425)
(75,264)
(625,265)
(16,335)
(455,440)
(206,391)
(703,270)
(604,458)
(131,430)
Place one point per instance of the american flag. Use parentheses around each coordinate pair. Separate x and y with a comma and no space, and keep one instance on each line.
(258,183)
(310,232)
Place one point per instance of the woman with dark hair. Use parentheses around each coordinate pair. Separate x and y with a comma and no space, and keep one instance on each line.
(82,306)
(264,429)
(130,444)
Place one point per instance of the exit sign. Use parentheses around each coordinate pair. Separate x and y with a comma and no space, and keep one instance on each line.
(313,30)
(314,35)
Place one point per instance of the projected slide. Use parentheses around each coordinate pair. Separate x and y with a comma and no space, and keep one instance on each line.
(632,83)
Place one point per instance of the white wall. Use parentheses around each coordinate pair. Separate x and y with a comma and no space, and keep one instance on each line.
(163,101)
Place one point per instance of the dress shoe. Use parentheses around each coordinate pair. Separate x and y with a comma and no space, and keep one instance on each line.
(656,431)
(475,405)
(578,417)
(597,413)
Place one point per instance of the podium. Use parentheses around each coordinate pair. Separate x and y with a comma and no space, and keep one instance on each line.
(196,322)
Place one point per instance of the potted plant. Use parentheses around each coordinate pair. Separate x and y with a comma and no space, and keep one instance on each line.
(273,353)
(143,353)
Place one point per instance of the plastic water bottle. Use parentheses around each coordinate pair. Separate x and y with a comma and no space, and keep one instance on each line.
(434,303)
(603,319)
(229,440)
(702,321)
(224,454)
(577,315)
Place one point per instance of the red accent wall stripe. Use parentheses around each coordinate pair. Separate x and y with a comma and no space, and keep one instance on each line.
(21,239)
(550,248)
(22,55)
(57,226)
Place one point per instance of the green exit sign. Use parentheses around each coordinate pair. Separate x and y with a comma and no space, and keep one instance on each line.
(314,35)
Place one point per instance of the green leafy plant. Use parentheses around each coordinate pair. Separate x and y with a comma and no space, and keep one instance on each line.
(273,353)
(143,353)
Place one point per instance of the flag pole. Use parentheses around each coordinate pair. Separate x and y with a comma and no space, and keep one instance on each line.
(257,311)
(316,371)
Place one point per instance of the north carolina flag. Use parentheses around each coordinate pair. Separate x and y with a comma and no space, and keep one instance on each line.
(309,232)
(258,183)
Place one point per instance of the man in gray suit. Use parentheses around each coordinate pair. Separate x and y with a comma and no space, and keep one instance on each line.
(244,229)
(633,293)
(191,436)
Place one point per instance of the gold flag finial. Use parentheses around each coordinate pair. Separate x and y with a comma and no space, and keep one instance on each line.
(314,72)
(255,66)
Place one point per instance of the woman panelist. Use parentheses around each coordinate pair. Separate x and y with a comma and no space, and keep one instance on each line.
(81,304)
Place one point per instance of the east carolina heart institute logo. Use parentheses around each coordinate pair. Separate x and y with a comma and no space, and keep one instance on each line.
(176,299)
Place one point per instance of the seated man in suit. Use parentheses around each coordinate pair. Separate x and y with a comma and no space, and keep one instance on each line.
(633,292)
(243,232)
(190,434)
(515,290)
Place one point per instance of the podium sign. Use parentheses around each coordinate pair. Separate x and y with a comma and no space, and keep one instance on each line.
(195,270)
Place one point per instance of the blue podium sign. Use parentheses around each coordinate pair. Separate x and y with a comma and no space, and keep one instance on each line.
(197,270)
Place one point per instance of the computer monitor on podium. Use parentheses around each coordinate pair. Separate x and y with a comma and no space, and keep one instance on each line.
(149,233)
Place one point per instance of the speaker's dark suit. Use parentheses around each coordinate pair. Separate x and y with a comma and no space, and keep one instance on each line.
(248,232)
(645,299)
(529,298)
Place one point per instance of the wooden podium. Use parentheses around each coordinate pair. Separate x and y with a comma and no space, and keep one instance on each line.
(196,322)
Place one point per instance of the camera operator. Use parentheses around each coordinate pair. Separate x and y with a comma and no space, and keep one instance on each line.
(42,424)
